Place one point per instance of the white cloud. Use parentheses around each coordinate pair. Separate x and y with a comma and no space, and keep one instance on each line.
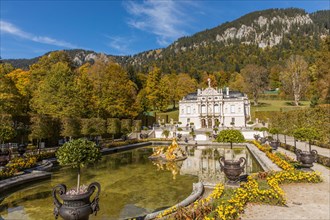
(165,19)
(8,28)
(121,44)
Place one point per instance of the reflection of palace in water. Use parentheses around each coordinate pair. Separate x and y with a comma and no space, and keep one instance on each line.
(204,162)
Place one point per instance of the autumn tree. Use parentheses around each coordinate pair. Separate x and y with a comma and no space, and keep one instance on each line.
(93,126)
(126,126)
(40,69)
(152,87)
(238,83)
(113,93)
(9,95)
(43,127)
(56,95)
(322,72)
(182,84)
(21,81)
(85,93)
(274,76)
(7,130)
(70,127)
(295,77)
(255,80)
(113,126)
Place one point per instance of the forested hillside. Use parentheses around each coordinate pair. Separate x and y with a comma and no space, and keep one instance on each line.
(283,49)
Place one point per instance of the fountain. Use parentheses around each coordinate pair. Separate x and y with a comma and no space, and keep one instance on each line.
(173,153)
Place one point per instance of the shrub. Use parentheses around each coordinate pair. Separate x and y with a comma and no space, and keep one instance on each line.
(78,153)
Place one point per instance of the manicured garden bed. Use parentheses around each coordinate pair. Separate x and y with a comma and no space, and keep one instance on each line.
(19,164)
(263,187)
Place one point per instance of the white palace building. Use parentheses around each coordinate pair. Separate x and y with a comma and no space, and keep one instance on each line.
(211,107)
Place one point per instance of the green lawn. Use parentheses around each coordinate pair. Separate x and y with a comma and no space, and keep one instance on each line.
(264,105)
(170,114)
(277,105)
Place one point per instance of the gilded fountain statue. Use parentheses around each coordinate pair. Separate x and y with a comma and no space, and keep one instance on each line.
(172,153)
(169,158)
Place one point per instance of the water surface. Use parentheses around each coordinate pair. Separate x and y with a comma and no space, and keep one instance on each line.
(132,185)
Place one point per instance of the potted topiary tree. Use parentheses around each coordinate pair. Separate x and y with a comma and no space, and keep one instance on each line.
(306,157)
(274,143)
(166,133)
(232,168)
(230,136)
(76,202)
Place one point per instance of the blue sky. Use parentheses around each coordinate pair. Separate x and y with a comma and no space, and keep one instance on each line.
(32,28)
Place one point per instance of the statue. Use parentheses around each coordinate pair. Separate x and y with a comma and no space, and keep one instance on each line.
(173,153)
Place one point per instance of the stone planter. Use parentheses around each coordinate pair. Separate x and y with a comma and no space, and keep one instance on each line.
(256,136)
(263,140)
(21,150)
(274,144)
(232,168)
(306,158)
(4,158)
(76,206)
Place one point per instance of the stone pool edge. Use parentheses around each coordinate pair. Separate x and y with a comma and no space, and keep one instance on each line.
(198,189)
(22,179)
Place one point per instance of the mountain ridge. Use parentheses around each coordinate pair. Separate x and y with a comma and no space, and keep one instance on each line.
(264,29)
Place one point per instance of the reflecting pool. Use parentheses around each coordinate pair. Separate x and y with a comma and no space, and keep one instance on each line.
(131,184)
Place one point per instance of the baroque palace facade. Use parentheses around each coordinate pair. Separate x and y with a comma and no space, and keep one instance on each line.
(214,107)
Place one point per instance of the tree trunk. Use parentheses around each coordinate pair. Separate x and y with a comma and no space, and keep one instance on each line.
(38,146)
(78,180)
(310,147)
(255,101)
(296,100)
(285,139)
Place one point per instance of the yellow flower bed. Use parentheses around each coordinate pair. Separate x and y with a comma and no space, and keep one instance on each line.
(22,163)
(16,165)
(250,191)
(276,159)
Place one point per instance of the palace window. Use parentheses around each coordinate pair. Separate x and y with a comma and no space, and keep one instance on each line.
(188,110)
(203,109)
(232,109)
(216,108)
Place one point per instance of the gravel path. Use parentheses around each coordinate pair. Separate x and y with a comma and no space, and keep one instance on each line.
(304,201)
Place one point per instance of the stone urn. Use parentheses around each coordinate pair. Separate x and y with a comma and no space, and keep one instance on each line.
(263,140)
(4,157)
(76,207)
(232,168)
(21,149)
(274,144)
(256,136)
(306,158)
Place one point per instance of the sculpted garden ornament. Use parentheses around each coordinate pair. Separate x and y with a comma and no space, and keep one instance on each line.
(4,157)
(306,158)
(232,168)
(76,202)
(173,153)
